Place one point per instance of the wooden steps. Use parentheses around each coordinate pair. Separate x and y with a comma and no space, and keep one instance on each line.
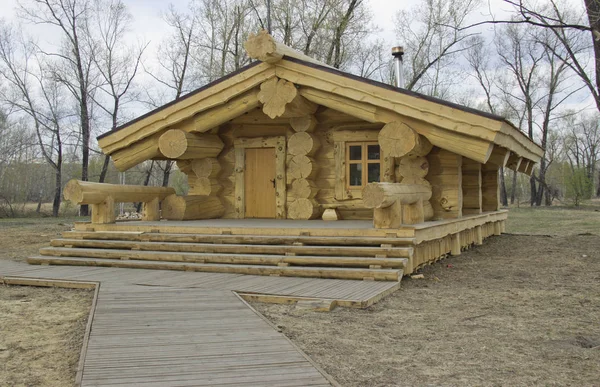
(290,271)
(239,239)
(345,251)
(239,259)
(367,258)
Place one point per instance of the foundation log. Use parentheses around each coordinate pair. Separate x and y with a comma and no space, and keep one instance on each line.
(192,207)
(303,209)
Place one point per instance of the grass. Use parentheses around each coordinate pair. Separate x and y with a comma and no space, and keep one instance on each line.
(555,220)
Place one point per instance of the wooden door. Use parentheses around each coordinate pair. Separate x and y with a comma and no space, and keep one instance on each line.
(259,183)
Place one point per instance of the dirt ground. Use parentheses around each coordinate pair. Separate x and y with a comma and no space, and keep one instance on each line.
(21,237)
(519,310)
(41,332)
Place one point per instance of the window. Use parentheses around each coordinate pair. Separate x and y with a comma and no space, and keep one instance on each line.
(363,164)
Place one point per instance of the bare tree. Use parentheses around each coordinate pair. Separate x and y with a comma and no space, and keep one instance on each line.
(37,94)
(73,63)
(116,61)
(431,34)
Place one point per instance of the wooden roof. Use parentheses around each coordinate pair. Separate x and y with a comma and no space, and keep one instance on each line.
(469,132)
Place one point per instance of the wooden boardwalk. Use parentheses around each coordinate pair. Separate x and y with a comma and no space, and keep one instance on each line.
(165,328)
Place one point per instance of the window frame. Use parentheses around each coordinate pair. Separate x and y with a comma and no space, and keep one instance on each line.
(364,161)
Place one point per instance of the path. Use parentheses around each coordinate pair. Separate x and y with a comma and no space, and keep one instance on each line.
(167,328)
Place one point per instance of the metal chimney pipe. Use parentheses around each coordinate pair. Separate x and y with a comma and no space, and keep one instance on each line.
(398,53)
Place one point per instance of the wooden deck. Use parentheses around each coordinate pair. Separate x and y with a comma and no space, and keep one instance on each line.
(168,328)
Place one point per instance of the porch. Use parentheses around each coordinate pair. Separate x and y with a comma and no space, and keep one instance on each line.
(343,249)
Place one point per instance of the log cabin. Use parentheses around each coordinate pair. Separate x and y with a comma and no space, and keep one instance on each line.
(296,168)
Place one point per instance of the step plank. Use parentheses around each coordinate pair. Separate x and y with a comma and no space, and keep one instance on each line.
(338,251)
(239,259)
(292,271)
(239,239)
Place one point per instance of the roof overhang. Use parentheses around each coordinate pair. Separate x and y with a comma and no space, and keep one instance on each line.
(467,132)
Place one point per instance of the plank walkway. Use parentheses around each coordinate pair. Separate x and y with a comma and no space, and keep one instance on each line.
(166,328)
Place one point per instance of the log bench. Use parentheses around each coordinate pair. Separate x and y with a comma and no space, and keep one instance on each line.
(102,197)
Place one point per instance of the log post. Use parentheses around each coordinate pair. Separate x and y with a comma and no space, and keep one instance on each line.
(151,210)
(395,204)
(192,207)
(104,212)
(178,144)
(445,176)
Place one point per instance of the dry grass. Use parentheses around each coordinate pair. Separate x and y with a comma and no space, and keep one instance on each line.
(520,310)
(22,237)
(41,332)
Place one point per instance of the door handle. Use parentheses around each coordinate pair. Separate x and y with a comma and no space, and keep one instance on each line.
(273,181)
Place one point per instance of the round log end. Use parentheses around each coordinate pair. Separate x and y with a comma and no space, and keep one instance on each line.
(173,207)
(303,209)
(396,139)
(73,191)
(261,46)
(173,143)
(373,195)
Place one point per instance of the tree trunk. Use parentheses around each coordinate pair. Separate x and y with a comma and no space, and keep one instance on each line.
(503,196)
(57,191)
(514,188)
(138,206)
(104,170)
(167,173)
(533,193)
(598,189)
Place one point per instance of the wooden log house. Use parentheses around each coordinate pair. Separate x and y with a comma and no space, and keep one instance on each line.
(296,168)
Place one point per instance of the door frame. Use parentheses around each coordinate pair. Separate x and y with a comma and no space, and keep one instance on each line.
(240,145)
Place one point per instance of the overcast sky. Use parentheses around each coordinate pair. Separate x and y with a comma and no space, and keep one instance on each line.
(150,27)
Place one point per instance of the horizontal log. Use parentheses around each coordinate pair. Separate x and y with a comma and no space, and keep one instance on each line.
(263,47)
(192,207)
(87,192)
(178,144)
(397,139)
(382,195)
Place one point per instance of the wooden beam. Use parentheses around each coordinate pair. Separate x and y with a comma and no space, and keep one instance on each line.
(471,186)
(445,176)
(441,115)
(178,144)
(173,114)
(263,47)
(499,156)
(514,161)
(459,143)
(219,115)
(129,157)
(281,97)
(490,189)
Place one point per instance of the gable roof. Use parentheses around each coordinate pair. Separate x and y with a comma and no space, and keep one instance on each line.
(469,132)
